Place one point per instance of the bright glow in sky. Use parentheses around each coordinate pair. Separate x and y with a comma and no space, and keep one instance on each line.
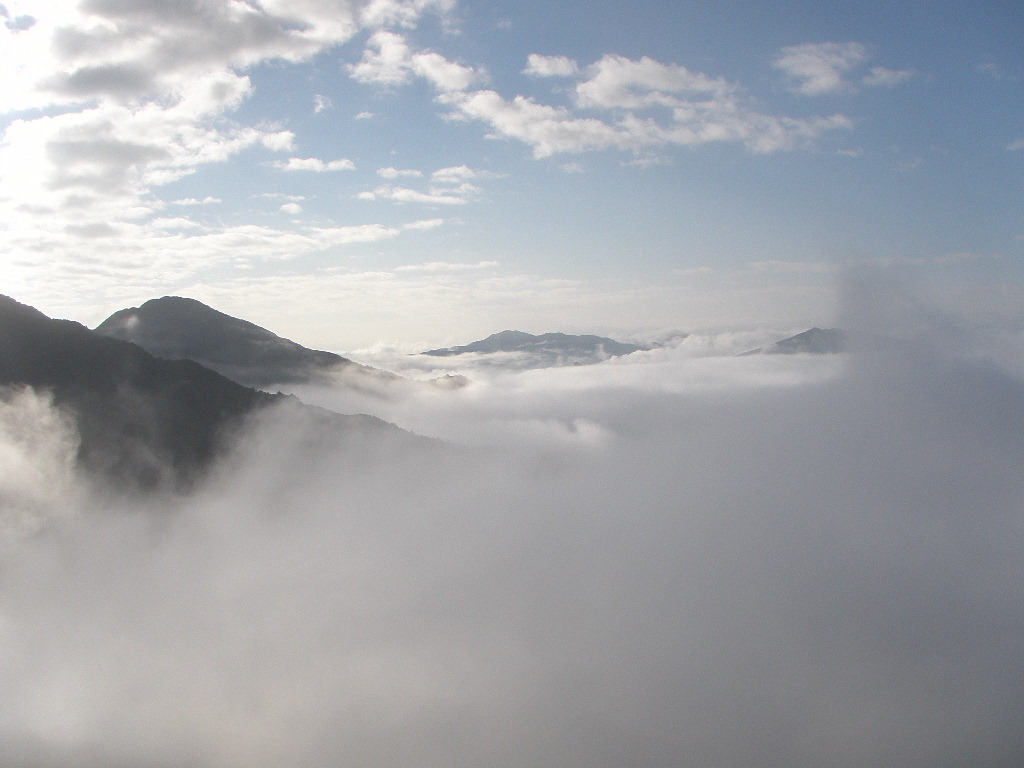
(427,172)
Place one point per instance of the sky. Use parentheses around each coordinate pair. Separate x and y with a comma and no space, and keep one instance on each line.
(422,173)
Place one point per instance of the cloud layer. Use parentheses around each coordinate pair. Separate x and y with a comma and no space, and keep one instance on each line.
(798,561)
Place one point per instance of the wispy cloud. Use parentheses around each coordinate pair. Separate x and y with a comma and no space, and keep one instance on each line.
(433,196)
(449,186)
(194,201)
(397,173)
(701,109)
(402,13)
(818,68)
(815,69)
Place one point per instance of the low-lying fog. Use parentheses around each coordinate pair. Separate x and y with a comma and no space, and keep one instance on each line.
(660,561)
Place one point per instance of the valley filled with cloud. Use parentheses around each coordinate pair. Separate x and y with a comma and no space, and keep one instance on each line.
(789,560)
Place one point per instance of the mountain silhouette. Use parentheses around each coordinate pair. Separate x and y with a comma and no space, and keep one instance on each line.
(547,349)
(180,328)
(143,421)
(815,341)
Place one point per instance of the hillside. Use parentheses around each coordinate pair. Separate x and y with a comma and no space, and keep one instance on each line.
(814,341)
(143,421)
(179,328)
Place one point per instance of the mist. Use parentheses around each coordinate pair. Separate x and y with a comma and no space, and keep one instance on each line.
(666,560)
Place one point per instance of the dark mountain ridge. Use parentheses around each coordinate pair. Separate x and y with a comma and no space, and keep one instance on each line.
(142,421)
(814,341)
(180,328)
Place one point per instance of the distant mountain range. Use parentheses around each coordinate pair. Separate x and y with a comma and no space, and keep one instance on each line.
(148,421)
(547,349)
(815,341)
(143,421)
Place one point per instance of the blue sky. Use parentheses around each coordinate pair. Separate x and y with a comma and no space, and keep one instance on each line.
(432,171)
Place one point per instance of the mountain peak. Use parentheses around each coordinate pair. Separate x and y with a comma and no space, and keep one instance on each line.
(814,341)
(177,327)
(141,419)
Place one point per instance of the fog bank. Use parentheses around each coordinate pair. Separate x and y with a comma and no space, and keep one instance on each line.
(677,562)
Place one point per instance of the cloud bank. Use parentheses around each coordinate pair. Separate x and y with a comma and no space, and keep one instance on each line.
(794,562)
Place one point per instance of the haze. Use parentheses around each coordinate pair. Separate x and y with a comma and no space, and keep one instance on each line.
(790,561)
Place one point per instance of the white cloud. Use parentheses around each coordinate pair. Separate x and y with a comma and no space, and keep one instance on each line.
(138,95)
(320,103)
(819,68)
(388,60)
(194,201)
(454,175)
(424,224)
(723,117)
(396,173)
(434,196)
(1016,146)
(281,196)
(96,263)
(550,66)
(616,82)
(102,161)
(547,129)
(443,74)
(701,109)
(449,186)
(315,164)
(178,222)
(78,52)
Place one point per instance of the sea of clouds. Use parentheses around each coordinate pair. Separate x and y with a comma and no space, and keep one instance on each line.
(667,560)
